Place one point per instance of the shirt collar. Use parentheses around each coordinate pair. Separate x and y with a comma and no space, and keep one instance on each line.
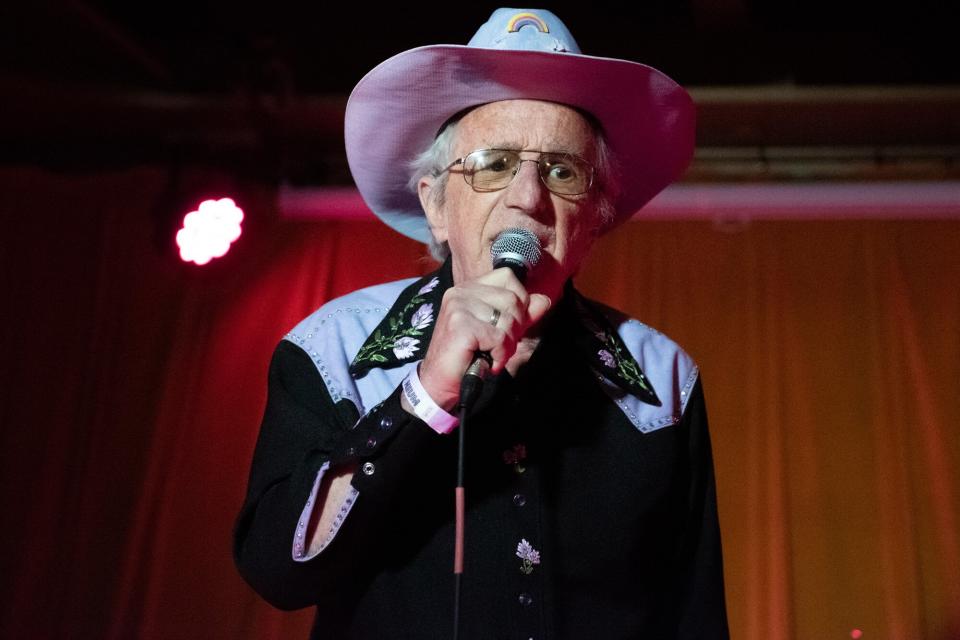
(405,332)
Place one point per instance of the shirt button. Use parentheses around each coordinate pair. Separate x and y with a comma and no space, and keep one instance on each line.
(371,442)
(368,468)
(519,499)
(386,422)
(525,599)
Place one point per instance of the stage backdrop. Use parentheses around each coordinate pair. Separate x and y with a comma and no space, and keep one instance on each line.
(133,386)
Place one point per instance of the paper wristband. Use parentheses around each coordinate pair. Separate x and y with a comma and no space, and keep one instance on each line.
(424,406)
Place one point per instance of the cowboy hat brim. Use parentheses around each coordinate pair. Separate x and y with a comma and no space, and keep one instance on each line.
(395,111)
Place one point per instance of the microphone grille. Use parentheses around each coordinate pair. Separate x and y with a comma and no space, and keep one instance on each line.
(517,244)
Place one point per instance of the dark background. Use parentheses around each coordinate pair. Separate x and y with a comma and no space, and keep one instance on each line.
(310,48)
(259,88)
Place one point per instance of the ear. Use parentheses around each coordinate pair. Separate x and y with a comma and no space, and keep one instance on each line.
(436,216)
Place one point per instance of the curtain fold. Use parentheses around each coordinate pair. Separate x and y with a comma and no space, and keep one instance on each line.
(134,385)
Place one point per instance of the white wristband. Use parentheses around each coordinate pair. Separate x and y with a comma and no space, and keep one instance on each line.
(424,406)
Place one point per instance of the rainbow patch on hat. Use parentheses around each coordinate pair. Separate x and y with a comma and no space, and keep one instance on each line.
(521,20)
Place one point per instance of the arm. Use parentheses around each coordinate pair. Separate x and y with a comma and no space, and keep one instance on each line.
(699,589)
(302,431)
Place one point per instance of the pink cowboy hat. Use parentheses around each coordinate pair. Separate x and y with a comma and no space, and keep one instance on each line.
(396,110)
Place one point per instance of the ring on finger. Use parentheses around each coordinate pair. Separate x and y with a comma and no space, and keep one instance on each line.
(494,317)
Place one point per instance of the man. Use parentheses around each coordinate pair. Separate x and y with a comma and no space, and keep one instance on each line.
(590,509)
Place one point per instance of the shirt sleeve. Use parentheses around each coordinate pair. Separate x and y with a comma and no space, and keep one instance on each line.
(304,435)
(301,551)
(698,589)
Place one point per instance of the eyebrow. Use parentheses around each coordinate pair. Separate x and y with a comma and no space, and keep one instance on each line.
(548,148)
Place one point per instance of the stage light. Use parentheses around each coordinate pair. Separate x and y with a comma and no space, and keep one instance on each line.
(209,231)
(856,634)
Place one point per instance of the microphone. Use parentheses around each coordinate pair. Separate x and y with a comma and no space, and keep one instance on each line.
(519,250)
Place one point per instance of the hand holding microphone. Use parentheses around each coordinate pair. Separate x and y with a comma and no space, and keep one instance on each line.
(518,250)
(487,315)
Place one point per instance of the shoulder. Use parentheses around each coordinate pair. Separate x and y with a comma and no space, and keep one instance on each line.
(348,320)
(332,335)
(353,310)
(671,371)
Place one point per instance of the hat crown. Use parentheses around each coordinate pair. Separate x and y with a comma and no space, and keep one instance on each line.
(524,30)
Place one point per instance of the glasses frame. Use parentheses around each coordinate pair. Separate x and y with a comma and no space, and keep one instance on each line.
(468,175)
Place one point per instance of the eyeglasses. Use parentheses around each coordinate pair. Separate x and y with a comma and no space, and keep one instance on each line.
(494,169)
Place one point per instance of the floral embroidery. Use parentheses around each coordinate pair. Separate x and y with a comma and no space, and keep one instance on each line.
(422,317)
(405,347)
(607,359)
(613,360)
(515,456)
(529,555)
(626,366)
(397,334)
(430,286)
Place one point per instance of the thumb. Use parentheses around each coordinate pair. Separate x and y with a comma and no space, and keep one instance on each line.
(538,307)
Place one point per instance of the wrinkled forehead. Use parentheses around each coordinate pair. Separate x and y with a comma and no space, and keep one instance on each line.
(526,124)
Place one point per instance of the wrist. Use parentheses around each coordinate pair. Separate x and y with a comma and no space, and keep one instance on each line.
(418,401)
(447,398)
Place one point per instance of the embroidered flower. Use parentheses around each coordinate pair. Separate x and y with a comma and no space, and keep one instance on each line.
(430,286)
(422,317)
(529,555)
(615,355)
(408,323)
(607,358)
(405,347)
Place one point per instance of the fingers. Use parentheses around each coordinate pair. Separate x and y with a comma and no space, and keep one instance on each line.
(469,313)
(492,305)
(538,307)
(465,325)
(505,279)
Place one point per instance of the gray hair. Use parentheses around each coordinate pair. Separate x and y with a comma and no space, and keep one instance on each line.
(437,156)
(430,163)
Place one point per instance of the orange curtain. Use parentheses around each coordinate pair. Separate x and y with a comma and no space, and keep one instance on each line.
(134,384)
(830,354)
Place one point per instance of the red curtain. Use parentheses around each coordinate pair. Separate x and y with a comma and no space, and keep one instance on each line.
(134,384)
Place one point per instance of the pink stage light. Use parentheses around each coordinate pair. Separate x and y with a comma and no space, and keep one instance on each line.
(856,634)
(208,232)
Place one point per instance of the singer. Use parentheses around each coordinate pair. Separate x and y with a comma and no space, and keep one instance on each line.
(590,498)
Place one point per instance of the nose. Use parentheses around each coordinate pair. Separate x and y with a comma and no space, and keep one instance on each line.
(527,191)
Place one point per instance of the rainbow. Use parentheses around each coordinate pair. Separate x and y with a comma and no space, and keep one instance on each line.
(523,19)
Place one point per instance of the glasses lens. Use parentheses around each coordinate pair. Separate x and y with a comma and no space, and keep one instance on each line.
(491,169)
(565,174)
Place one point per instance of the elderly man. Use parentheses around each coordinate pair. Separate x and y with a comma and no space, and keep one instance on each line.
(591,509)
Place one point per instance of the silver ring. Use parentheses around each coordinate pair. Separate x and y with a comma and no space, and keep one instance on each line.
(494,317)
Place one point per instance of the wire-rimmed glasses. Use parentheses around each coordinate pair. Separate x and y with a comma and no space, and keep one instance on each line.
(562,173)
